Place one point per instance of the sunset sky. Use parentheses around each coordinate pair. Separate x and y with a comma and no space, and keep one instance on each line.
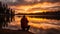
(33,6)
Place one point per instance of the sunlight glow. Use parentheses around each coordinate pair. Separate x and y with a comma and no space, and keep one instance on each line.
(39,7)
(38,23)
(37,11)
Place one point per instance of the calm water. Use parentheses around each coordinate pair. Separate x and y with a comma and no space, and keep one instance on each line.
(38,25)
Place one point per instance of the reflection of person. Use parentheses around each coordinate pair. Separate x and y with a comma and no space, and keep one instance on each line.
(24,23)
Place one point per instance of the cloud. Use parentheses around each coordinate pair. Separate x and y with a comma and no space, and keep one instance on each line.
(37,7)
(50,0)
(27,1)
(29,5)
(8,1)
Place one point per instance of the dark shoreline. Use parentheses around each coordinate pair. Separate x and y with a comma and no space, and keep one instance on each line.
(8,31)
(57,17)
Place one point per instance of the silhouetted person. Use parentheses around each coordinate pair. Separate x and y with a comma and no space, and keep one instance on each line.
(24,23)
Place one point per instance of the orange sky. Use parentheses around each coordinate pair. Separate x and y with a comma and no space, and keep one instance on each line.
(35,8)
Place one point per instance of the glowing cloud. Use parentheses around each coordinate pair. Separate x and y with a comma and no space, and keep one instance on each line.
(34,8)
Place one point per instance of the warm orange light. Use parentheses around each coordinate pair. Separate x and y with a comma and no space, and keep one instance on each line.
(37,11)
(32,8)
(37,23)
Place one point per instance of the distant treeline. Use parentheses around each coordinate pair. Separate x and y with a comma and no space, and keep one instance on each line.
(43,13)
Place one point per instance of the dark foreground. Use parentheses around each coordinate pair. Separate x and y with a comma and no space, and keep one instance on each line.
(7,31)
(48,31)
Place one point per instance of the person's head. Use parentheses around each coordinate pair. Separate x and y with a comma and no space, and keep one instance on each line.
(24,16)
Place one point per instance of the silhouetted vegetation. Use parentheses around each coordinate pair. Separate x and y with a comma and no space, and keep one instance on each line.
(43,13)
(48,15)
(6,14)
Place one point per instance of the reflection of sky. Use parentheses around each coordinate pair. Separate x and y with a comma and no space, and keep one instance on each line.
(38,22)
(33,6)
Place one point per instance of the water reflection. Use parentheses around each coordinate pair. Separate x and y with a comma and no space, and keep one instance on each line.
(38,25)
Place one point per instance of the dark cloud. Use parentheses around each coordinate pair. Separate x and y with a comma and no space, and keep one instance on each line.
(50,0)
(24,2)
(20,2)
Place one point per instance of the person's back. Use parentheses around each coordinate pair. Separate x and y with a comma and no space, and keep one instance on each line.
(24,23)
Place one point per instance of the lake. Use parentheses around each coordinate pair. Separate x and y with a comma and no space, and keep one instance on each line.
(37,25)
